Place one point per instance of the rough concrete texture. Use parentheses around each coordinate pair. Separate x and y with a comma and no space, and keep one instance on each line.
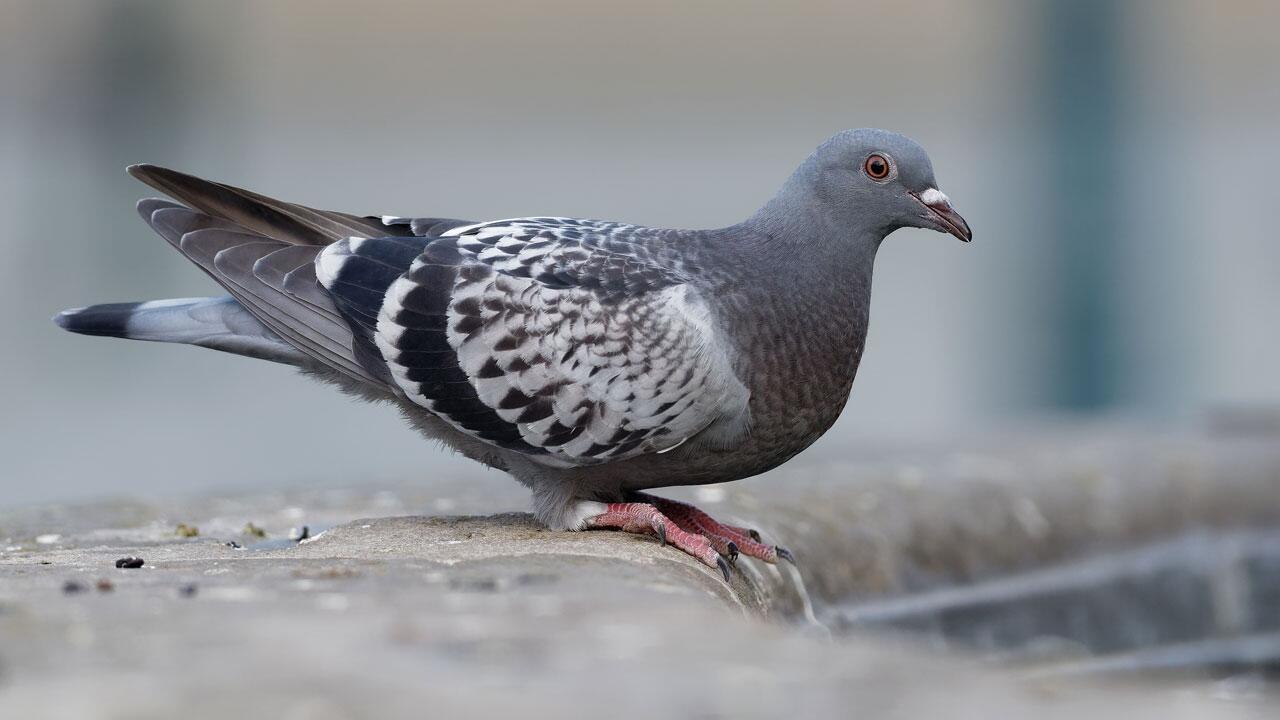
(905,520)
(417,611)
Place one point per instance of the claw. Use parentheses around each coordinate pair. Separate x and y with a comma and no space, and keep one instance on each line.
(785,554)
(733,553)
(724,566)
(754,534)
(661,531)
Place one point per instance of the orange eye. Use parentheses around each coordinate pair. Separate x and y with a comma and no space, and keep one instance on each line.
(876,167)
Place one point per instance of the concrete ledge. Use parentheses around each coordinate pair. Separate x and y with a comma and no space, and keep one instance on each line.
(501,550)
(413,614)
(460,617)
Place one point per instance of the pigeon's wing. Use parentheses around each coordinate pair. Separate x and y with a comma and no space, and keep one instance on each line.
(567,340)
(263,251)
(274,280)
(423,227)
(279,220)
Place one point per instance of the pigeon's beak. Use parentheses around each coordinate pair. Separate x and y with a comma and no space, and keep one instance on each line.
(942,216)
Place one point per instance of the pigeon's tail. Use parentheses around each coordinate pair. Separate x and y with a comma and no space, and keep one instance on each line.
(218,323)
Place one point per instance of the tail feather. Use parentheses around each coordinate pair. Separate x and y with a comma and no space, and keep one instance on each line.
(218,323)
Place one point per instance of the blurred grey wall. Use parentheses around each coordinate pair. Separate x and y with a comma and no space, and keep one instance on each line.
(1114,160)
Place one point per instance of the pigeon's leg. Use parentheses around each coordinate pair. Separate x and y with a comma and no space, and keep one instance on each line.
(645,519)
(730,540)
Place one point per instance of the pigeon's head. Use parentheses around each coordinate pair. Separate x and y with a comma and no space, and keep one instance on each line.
(876,181)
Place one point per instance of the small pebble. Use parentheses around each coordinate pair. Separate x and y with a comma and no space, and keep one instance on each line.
(187,591)
(71,587)
(300,534)
(104,585)
(130,563)
(232,544)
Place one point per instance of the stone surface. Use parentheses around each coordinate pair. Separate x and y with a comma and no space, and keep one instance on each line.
(402,601)
(469,617)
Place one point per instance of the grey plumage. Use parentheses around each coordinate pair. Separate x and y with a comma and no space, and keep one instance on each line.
(589,359)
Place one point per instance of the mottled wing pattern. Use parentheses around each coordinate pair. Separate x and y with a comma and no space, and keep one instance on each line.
(564,339)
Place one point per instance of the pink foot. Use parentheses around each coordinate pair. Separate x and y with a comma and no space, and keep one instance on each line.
(645,519)
(729,540)
(689,529)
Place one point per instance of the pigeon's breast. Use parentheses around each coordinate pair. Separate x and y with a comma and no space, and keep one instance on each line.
(797,354)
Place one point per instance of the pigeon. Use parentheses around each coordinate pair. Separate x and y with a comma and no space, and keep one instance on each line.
(591,360)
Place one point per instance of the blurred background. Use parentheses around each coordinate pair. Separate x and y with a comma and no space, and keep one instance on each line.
(1114,159)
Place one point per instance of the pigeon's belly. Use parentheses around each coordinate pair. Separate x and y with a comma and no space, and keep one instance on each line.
(791,407)
(694,464)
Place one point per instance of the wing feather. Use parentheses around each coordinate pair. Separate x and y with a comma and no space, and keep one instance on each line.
(567,340)
(276,219)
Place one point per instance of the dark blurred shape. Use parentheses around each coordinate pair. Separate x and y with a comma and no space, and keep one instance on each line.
(1080,45)
(72,587)
(1205,600)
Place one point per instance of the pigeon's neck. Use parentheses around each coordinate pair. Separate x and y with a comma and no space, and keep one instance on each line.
(812,275)
(793,231)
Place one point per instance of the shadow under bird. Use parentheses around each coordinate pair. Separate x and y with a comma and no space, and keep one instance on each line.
(590,360)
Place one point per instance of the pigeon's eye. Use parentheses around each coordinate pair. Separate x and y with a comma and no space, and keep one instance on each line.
(876,167)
